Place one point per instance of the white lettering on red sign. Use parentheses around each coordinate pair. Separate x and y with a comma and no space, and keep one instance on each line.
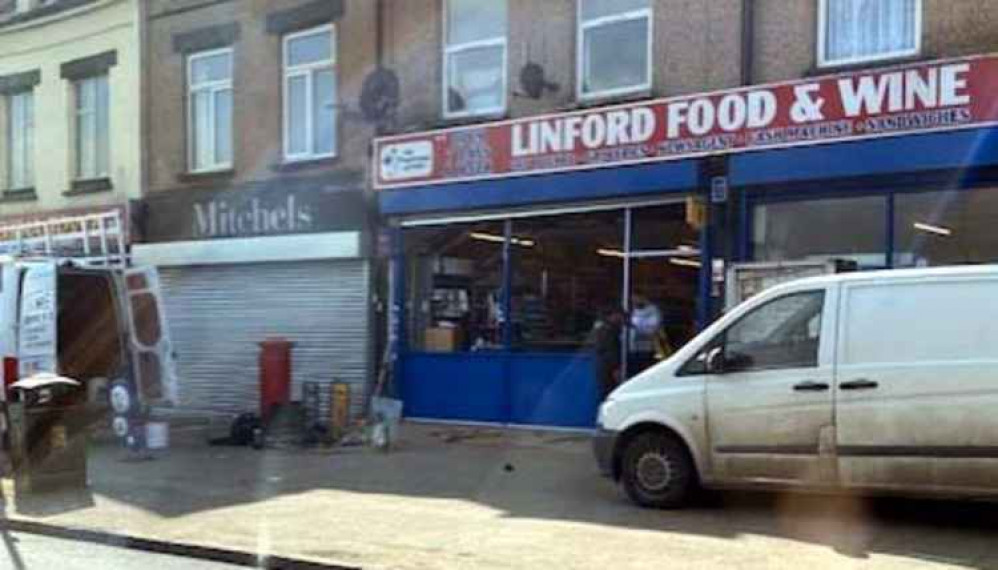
(905,90)
(734,112)
(597,130)
(944,95)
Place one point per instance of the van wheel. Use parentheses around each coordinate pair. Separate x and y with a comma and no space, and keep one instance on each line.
(657,471)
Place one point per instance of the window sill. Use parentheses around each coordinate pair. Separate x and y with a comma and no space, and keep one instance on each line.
(89,186)
(469,120)
(305,164)
(206,176)
(18,195)
(597,100)
(890,61)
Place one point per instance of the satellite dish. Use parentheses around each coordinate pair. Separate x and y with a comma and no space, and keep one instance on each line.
(534,82)
(379,96)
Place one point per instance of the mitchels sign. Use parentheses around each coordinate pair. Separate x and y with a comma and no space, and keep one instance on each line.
(926,97)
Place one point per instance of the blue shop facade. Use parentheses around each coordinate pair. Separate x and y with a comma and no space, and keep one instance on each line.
(497,282)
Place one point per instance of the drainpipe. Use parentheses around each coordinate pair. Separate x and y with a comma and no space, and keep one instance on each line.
(379,33)
(748,41)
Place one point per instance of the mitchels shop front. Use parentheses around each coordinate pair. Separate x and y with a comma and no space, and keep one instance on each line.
(513,241)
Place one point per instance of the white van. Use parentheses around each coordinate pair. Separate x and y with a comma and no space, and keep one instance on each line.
(873,382)
(95,325)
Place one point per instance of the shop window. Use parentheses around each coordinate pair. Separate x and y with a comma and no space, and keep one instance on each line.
(310,94)
(819,230)
(20,140)
(945,228)
(856,31)
(92,127)
(615,44)
(454,279)
(664,270)
(475,57)
(567,271)
(209,82)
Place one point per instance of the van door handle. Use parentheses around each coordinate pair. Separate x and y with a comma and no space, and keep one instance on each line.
(861,384)
(811,387)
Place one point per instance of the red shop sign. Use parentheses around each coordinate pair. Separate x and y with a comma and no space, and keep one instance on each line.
(926,97)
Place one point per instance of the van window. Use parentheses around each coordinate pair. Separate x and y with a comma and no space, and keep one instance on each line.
(783,333)
(920,322)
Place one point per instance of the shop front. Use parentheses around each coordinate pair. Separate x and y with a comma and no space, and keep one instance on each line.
(512,241)
(500,284)
(238,267)
(509,306)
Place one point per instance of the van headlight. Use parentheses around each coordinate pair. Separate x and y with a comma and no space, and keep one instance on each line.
(604,412)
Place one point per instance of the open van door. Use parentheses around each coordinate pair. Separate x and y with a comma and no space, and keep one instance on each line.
(37,325)
(149,338)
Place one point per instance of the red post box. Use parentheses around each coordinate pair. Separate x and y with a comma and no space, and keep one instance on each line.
(10,373)
(275,374)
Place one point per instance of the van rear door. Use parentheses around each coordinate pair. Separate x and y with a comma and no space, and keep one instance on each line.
(152,353)
(9,286)
(37,325)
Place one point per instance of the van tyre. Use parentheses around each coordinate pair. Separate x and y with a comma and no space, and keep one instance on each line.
(657,472)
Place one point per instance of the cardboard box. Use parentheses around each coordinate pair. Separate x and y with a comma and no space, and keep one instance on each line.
(443,339)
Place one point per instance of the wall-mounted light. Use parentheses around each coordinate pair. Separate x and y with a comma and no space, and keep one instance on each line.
(682,262)
(933,229)
(493,238)
(607,252)
(680,251)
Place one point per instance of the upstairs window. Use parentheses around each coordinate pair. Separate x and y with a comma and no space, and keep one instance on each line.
(614,47)
(92,128)
(310,94)
(209,83)
(21,141)
(475,57)
(858,31)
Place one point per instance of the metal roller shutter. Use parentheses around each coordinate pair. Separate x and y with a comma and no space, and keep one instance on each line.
(218,314)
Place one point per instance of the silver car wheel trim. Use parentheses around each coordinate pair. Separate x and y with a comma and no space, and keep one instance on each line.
(654,471)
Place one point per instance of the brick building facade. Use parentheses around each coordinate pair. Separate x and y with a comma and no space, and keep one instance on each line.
(554,161)
(256,208)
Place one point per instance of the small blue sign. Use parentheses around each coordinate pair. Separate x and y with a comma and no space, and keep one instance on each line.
(719,190)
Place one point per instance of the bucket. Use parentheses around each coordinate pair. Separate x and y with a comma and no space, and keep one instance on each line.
(387,411)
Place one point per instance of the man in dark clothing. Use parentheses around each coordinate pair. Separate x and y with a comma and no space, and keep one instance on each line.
(606,344)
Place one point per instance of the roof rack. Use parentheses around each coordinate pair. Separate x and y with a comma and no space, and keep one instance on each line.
(95,240)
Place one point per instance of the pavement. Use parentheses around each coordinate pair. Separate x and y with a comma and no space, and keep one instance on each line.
(26,551)
(479,498)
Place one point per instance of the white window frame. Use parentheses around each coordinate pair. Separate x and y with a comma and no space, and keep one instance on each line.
(29,146)
(213,87)
(580,46)
(822,47)
(308,71)
(450,50)
(77,113)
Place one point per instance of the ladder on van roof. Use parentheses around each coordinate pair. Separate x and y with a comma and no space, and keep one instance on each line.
(93,240)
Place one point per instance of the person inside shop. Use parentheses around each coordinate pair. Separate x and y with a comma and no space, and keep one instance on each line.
(649,341)
(606,335)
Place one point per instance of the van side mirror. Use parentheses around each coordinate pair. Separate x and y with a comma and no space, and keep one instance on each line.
(716,361)
(720,361)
